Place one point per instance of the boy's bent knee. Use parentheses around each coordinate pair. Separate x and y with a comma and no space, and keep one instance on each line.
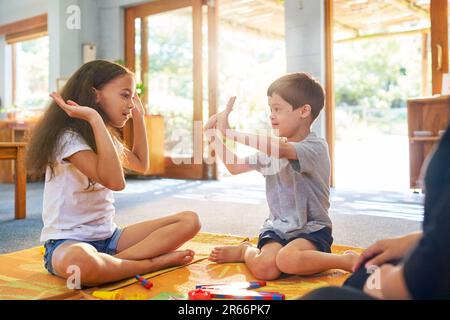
(265,270)
(267,274)
(286,264)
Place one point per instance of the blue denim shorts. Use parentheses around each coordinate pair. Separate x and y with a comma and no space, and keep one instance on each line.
(322,239)
(108,246)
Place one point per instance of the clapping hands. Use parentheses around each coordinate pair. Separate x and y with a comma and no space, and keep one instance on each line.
(220,120)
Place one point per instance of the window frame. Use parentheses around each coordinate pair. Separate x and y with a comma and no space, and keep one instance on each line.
(19,31)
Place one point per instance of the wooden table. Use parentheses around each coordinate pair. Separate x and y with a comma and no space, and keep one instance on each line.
(12,131)
(16,151)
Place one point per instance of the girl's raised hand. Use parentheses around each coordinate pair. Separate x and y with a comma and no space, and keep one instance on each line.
(74,110)
(138,110)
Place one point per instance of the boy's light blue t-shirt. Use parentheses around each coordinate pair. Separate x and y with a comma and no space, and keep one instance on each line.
(297,191)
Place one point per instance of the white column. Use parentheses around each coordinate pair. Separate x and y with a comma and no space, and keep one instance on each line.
(5,74)
(64,41)
(112,27)
(305,43)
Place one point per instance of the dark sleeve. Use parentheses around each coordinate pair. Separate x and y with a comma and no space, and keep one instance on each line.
(427,268)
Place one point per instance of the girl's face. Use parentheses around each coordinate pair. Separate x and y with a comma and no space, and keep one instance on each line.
(116,99)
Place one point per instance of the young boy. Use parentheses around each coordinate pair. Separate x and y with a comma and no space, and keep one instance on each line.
(296,238)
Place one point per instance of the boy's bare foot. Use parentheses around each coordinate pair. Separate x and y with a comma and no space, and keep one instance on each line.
(171,259)
(229,253)
(351,257)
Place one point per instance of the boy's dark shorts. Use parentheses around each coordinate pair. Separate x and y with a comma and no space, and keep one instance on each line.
(322,239)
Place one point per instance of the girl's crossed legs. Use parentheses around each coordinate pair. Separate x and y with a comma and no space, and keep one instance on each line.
(142,248)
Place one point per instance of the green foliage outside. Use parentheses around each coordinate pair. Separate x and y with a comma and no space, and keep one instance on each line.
(32,73)
(248,64)
(373,80)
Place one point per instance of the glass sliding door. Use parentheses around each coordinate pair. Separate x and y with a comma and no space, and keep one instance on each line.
(164,48)
(170,78)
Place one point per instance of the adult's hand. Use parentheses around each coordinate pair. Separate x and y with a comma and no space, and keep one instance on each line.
(386,250)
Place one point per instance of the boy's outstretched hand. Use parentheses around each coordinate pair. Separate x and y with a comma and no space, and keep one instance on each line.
(220,120)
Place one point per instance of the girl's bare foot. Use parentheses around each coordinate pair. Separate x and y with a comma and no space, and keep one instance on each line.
(171,259)
(229,253)
(351,257)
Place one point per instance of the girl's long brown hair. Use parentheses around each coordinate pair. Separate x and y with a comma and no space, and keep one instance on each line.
(43,140)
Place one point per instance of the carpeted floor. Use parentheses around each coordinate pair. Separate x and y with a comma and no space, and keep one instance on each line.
(22,276)
(234,205)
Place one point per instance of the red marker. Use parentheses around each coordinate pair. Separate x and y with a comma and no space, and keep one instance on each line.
(144,282)
(199,294)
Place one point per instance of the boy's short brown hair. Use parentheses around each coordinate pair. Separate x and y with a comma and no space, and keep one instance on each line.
(299,89)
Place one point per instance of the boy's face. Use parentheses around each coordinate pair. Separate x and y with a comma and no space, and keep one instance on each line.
(116,99)
(284,119)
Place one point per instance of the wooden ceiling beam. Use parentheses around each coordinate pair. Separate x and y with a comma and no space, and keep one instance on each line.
(248,20)
(234,7)
(384,35)
(408,6)
(272,4)
(347,27)
(252,30)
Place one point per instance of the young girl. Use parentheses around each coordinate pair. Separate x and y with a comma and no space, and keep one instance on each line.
(74,143)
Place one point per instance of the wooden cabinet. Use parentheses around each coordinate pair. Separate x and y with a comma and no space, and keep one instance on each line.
(155,137)
(428,118)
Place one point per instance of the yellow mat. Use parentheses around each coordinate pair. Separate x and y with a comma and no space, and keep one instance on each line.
(22,276)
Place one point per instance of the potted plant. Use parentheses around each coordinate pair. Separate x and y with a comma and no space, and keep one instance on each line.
(3,114)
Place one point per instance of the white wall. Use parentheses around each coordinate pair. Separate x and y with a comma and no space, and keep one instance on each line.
(11,11)
(3,81)
(5,69)
(112,27)
(64,44)
(102,24)
(305,43)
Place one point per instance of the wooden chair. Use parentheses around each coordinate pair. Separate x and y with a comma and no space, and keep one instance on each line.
(16,151)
